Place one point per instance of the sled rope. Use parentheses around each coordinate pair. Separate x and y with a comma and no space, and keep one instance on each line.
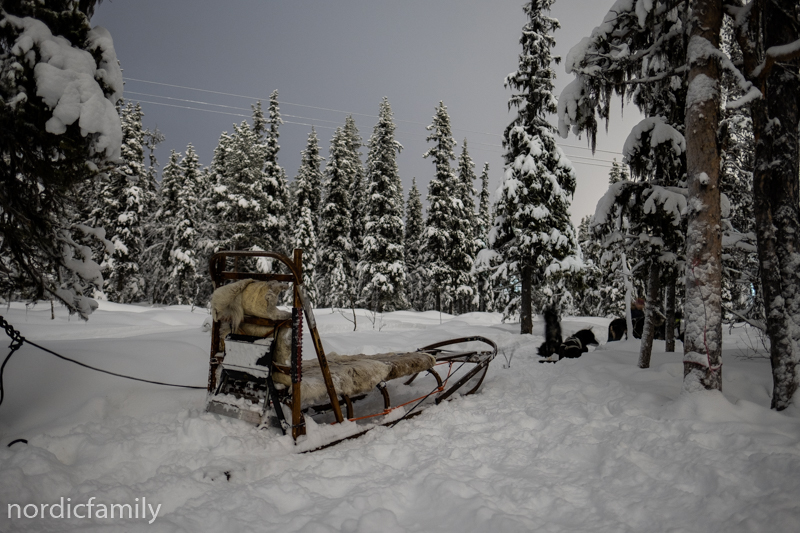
(17,340)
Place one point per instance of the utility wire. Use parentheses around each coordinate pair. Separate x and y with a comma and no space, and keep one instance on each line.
(312,107)
(499,151)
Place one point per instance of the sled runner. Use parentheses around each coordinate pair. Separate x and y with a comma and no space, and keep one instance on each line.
(257,372)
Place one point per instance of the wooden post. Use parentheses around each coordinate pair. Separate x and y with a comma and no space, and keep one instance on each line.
(298,423)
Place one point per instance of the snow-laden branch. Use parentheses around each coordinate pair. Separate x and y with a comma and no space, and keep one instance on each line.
(67,81)
(660,133)
(776,54)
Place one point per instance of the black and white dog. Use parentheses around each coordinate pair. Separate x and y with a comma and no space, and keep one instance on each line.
(552,334)
(577,344)
(574,346)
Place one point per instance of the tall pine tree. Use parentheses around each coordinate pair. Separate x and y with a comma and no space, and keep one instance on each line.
(464,246)
(483,278)
(358,189)
(381,268)
(305,217)
(334,270)
(444,206)
(121,212)
(45,151)
(276,190)
(532,232)
(178,220)
(416,277)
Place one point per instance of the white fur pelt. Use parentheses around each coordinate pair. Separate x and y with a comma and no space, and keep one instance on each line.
(356,374)
(230,303)
(350,375)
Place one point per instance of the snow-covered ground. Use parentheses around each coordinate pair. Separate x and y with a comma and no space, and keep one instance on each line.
(591,444)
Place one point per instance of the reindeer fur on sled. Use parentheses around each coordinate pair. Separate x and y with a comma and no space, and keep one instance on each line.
(351,374)
(231,302)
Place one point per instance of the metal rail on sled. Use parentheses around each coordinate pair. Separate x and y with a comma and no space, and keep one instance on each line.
(243,379)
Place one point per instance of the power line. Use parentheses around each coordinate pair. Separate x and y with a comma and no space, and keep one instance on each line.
(573,158)
(314,120)
(280,102)
(323,109)
(231,114)
(585,148)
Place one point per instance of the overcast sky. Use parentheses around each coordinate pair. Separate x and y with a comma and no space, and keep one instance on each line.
(331,58)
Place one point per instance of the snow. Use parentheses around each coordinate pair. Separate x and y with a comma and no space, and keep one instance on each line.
(643,8)
(66,80)
(672,200)
(659,131)
(591,444)
(577,53)
(568,105)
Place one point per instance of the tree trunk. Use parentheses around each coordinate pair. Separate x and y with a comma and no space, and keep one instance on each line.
(766,234)
(702,367)
(525,310)
(669,311)
(649,330)
(780,139)
(775,187)
(626,274)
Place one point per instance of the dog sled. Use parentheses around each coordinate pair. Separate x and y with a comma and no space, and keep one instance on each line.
(257,372)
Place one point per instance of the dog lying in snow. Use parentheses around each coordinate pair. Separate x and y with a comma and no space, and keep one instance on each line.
(577,344)
(573,347)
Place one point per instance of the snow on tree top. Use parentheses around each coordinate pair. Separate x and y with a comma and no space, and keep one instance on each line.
(577,53)
(67,81)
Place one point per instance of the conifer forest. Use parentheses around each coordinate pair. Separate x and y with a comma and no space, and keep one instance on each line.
(189,319)
(699,217)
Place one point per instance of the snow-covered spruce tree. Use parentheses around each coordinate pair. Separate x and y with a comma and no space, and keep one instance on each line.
(443,195)
(464,252)
(304,217)
(655,152)
(237,164)
(767,33)
(276,191)
(617,173)
(150,260)
(483,221)
(178,220)
(121,212)
(358,189)
(381,268)
(640,53)
(162,224)
(532,235)
(416,276)
(206,234)
(46,153)
(334,269)
(593,299)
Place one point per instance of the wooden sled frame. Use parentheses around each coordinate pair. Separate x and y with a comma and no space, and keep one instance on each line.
(291,396)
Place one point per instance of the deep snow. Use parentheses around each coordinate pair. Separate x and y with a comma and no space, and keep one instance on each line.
(592,444)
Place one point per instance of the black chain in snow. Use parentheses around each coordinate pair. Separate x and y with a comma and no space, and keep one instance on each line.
(17,340)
